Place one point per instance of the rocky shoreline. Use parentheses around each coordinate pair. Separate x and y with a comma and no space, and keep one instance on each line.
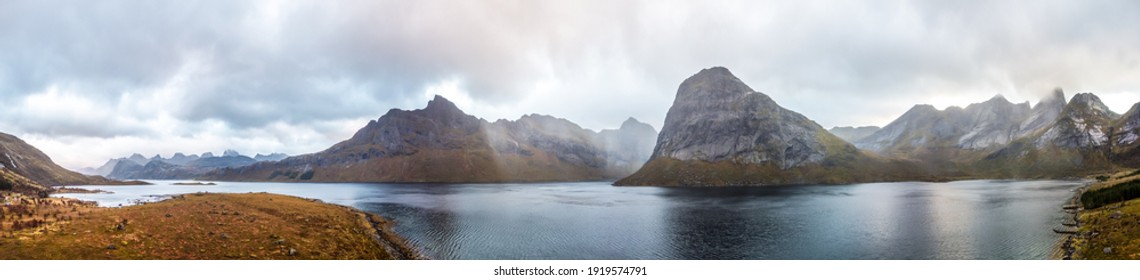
(1069,227)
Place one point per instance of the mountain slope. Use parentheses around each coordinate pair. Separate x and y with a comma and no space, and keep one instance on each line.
(19,158)
(440,143)
(954,134)
(1075,143)
(1124,133)
(720,132)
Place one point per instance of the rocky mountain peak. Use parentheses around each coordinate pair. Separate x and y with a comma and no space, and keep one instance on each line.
(1058,96)
(632,123)
(1090,103)
(230,153)
(716,117)
(711,83)
(1044,114)
(1082,123)
(441,104)
(998,98)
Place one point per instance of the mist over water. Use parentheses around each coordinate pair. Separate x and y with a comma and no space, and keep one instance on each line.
(593,220)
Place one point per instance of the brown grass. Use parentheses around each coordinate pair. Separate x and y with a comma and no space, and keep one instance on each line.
(211,226)
(1116,226)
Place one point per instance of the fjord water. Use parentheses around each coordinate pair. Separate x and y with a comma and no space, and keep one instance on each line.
(593,220)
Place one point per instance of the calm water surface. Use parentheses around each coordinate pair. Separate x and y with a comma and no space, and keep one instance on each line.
(955,220)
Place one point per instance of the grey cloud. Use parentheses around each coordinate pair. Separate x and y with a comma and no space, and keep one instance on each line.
(316,61)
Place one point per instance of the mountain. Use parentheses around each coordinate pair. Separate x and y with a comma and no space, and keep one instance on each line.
(441,143)
(1076,143)
(103,170)
(720,132)
(1045,113)
(1084,122)
(156,169)
(181,159)
(179,166)
(957,134)
(852,134)
(27,169)
(270,157)
(137,158)
(1124,133)
(228,160)
(628,146)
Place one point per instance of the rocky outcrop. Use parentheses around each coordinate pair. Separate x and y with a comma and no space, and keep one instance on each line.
(721,132)
(441,143)
(853,134)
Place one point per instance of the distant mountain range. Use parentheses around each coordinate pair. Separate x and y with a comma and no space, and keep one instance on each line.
(23,168)
(721,132)
(179,166)
(718,132)
(441,143)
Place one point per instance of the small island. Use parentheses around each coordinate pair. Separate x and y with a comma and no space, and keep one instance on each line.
(195,226)
(193,184)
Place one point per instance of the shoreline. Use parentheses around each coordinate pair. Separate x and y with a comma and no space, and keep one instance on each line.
(1062,249)
(202,226)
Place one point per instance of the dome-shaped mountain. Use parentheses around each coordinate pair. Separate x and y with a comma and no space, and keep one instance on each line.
(721,132)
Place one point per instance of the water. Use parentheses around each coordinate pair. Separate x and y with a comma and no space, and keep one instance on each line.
(955,220)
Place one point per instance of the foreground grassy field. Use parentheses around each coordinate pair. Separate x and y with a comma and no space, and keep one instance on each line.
(1112,230)
(195,226)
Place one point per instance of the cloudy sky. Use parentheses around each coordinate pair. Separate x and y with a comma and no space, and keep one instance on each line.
(90,80)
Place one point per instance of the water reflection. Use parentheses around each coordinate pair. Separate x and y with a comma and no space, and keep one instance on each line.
(592,220)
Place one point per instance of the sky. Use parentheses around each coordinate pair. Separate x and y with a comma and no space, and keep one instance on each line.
(85,81)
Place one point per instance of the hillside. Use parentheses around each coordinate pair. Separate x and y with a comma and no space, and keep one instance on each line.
(19,158)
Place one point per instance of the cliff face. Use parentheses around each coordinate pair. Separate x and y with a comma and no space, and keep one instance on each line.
(441,143)
(720,132)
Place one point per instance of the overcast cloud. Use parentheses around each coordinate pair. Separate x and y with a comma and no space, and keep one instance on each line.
(89,80)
